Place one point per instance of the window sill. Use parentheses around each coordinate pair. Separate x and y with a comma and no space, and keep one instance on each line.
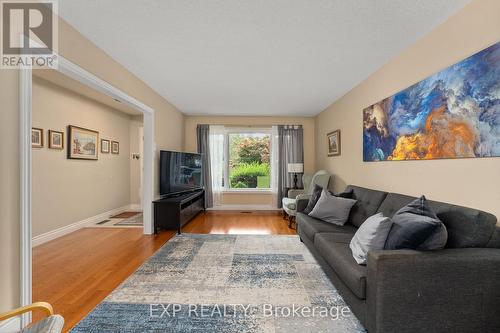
(247,191)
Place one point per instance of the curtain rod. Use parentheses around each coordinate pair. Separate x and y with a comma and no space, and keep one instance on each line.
(250,126)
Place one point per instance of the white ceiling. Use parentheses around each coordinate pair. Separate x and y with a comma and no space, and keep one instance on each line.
(254,57)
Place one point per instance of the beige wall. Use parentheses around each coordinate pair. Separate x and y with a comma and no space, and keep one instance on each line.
(470,182)
(66,191)
(247,198)
(72,45)
(9,200)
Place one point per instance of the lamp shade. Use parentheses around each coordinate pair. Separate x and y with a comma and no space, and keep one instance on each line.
(295,167)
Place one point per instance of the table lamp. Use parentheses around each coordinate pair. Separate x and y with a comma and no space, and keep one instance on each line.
(295,168)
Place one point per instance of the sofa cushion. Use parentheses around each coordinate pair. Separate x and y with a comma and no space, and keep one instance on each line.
(466,227)
(334,248)
(311,226)
(495,239)
(368,202)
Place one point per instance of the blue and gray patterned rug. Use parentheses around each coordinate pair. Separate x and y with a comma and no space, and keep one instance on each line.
(225,283)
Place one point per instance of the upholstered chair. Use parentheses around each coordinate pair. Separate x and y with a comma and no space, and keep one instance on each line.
(52,323)
(289,203)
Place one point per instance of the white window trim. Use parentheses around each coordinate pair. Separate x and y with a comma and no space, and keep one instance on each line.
(247,190)
(242,130)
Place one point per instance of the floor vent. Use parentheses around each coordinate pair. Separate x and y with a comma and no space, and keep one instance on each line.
(246,212)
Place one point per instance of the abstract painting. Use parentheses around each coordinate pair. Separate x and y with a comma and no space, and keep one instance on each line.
(454,113)
(82,143)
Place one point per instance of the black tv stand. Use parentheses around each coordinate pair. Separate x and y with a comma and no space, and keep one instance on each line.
(175,211)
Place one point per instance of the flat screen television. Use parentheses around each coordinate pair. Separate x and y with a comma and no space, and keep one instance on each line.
(179,172)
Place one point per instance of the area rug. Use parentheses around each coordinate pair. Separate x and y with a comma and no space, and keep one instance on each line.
(134,220)
(225,283)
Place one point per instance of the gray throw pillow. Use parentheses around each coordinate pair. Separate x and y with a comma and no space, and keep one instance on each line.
(332,209)
(371,235)
(416,227)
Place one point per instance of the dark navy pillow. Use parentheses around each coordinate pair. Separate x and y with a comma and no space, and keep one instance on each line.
(346,194)
(416,227)
(313,199)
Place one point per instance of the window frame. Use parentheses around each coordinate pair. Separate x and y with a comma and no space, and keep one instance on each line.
(244,130)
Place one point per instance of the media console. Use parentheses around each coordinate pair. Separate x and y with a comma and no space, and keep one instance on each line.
(174,212)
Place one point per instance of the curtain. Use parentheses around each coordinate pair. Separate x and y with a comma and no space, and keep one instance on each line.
(274,161)
(216,143)
(203,133)
(291,150)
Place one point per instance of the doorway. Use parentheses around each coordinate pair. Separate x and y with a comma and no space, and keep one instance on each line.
(91,81)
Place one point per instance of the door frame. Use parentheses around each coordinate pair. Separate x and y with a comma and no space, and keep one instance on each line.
(79,74)
(141,168)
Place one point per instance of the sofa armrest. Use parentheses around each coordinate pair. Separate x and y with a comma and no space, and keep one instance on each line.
(302,201)
(451,290)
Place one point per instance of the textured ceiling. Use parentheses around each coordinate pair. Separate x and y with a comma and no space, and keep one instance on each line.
(260,57)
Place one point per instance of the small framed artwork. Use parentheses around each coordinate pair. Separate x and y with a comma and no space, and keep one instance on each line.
(82,143)
(36,137)
(56,140)
(115,147)
(334,145)
(104,146)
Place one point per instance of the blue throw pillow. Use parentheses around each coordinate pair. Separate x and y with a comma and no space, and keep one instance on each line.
(417,227)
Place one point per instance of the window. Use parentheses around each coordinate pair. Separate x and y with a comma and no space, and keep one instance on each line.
(247,159)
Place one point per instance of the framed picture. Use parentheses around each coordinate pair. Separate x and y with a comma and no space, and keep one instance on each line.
(104,146)
(56,140)
(334,144)
(82,143)
(36,137)
(115,147)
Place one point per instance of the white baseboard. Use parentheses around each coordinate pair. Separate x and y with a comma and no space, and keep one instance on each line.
(10,325)
(135,207)
(48,236)
(243,207)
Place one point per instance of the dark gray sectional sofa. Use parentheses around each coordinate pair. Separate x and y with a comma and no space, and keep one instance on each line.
(452,290)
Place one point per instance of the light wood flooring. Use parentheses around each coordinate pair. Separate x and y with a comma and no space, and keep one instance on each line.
(77,271)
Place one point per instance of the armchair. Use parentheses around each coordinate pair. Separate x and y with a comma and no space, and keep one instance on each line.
(289,203)
(50,324)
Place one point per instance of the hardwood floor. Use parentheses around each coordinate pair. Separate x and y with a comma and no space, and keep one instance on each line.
(76,272)
(229,222)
